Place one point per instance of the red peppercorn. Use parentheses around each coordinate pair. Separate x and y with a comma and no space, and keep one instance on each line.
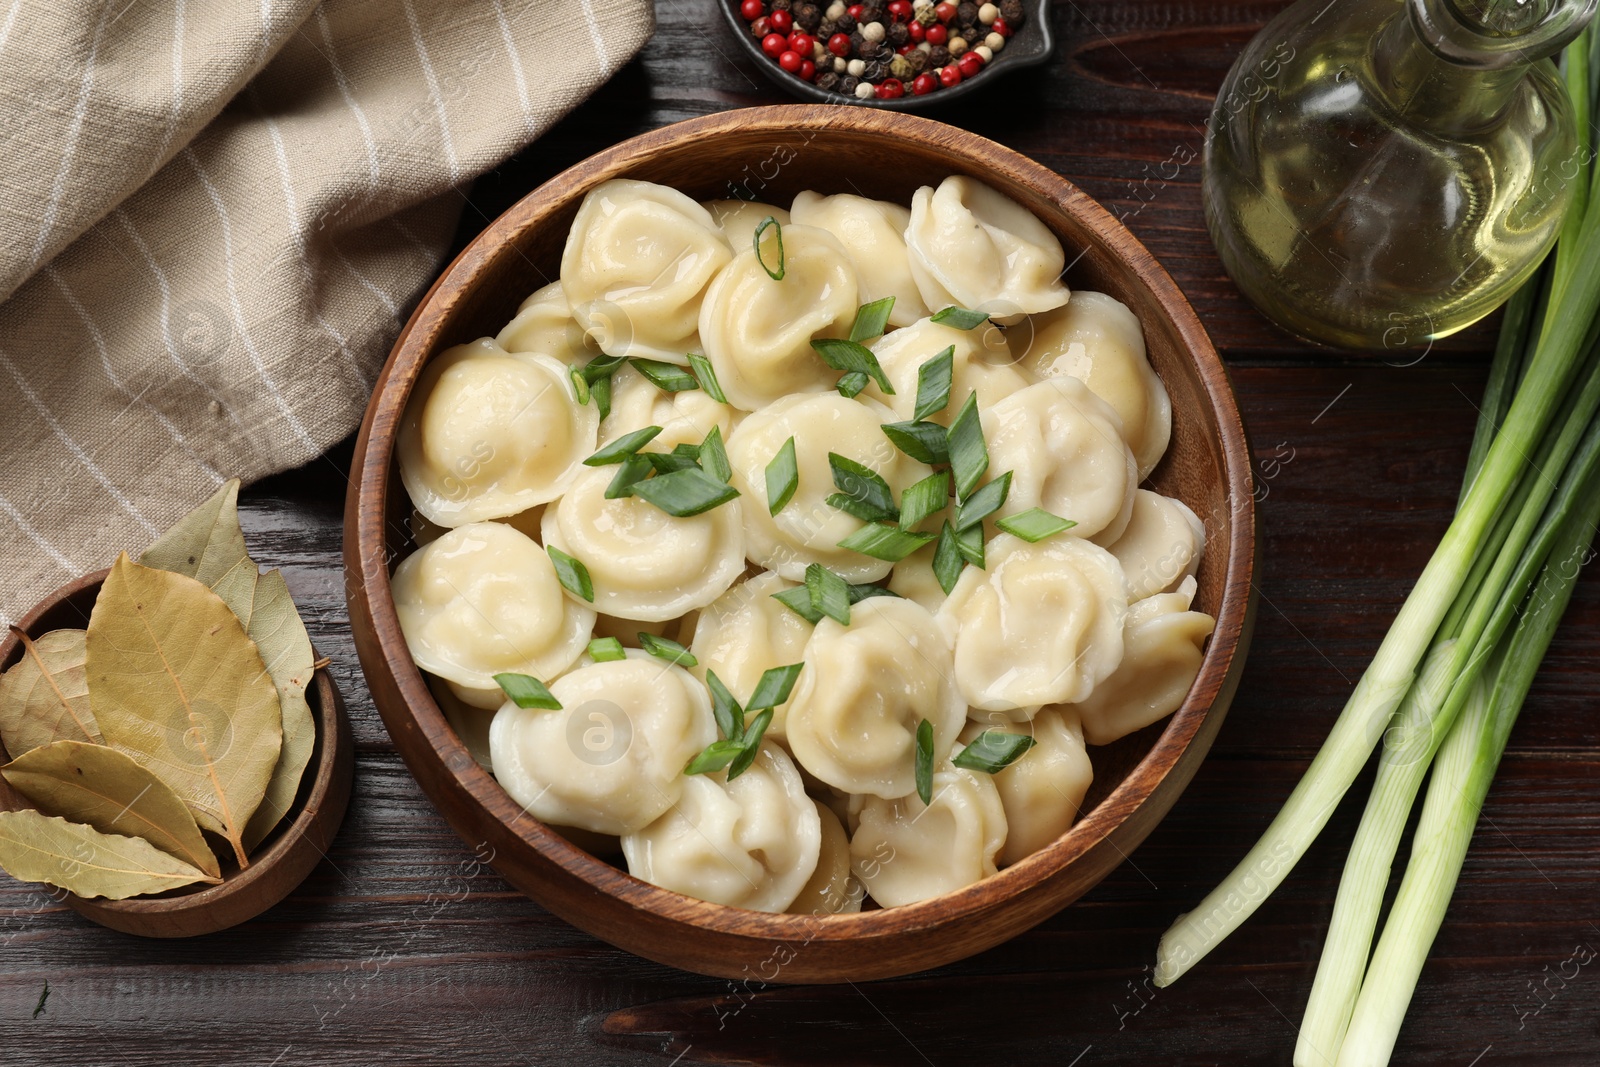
(808,69)
(774,45)
(903,49)
(1002,27)
(839,44)
(917,30)
(945,11)
(890,89)
(923,84)
(800,42)
(937,34)
(752,10)
(900,10)
(855,11)
(970,63)
(782,21)
(950,75)
(790,61)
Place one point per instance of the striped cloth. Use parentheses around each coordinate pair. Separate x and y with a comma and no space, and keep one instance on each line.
(214,217)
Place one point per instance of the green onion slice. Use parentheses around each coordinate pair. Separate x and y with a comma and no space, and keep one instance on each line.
(871,320)
(851,384)
(948,562)
(725,707)
(858,593)
(830,594)
(573,574)
(601,368)
(783,476)
(862,490)
(752,744)
(774,687)
(623,447)
(969,543)
(798,600)
(606,650)
(925,442)
(769,223)
(888,543)
(526,691)
(993,751)
(925,761)
(716,755)
(706,375)
(969,456)
(580,384)
(960,318)
(600,391)
(666,648)
(714,456)
(848,356)
(983,503)
(636,468)
(934,379)
(1033,525)
(923,499)
(686,492)
(668,377)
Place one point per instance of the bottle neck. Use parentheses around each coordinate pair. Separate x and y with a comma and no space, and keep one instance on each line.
(1427,70)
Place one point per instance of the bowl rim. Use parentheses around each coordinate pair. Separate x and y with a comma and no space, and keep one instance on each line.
(371,601)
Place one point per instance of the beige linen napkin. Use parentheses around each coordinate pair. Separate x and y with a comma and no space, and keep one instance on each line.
(214,217)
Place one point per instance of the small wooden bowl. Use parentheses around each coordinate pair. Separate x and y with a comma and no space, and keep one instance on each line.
(280,863)
(831,150)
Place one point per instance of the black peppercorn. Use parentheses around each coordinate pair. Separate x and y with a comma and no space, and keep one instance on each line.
(760,27)
(876,71)
(966,13)
(939,56)
(898,34)
(807,16)
(1012,12)
(781,5)
(875,50)
(874,10)
(858,44)
(846,23)
(918,60)
(826,29)
(828,81)
(847,85)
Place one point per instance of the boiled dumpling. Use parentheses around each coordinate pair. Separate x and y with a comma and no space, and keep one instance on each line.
(482,600)
(636,266)
(905,851)
(913,577)
(488,434)
(1161,545)
(738,219)
(744,633)
(645,563)
(1042,625)
(979,249)
(1163,645)
(832,889)
(808,529)
(685,417)
(1097,340)
(1065,453)
(864,690)
(611,759)
(749,843)
(544,326)
(873,235)
(757,331)
(981,362)
(1043,790)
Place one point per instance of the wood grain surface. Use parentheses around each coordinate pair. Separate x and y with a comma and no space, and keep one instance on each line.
(403,948)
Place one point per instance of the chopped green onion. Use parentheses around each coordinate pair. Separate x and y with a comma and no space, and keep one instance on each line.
(934,379)
(600,392)
(686,492)
(858,593)
(948,561)
(783,477)
(969,543)
(851,384)
(960,318)
(925,761)
(862,490)
(1033,525)
(888,543)
(923,499)
(798,600)
(985,502)
(751,744)
(706,375)
(769,223)
(830,594)
(666,648)
(687,448)
(667,462)
(774,687)
(668,377)
(623,447)
(715,756)
(573,574)
(969,456)
(636,468)
(993,751)
(601,368)
(925,442)
(847,356)
(526,691)
(871,320)
(580,384)
(714,456)
(606,650)
(725,707)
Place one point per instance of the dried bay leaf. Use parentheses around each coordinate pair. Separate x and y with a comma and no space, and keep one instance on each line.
(176,683)
(105,788)
(44,697)
(82,860)
(208,546)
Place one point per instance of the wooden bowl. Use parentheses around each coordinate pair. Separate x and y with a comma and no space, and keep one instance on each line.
(832,150)
(280,863)
(1035,43)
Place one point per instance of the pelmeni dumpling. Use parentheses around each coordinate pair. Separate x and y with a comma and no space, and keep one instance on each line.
(738,219)
(636,266)
(832,888)
(808,529)
(1042,625)
(1042,791)
(749,843)
(1160,546)
(544,326)
(757,331)
(685,417)
(981,362)
(611,759)
(1065,452)
(913,577)
(873,235)
(979,249)
(645,564)
(482,600)
(1097,340)
(905,851)
(488,434)
(1163,645)
(863,692)
(744,633)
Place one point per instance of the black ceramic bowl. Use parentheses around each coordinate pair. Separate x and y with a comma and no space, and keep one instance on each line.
(1031,45)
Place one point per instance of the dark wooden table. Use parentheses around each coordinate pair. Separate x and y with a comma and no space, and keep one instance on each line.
(396,952)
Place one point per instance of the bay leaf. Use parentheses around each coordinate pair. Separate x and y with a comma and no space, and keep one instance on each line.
(44,697)
(208,546)
(176,683)
(82,860)
(98,785)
